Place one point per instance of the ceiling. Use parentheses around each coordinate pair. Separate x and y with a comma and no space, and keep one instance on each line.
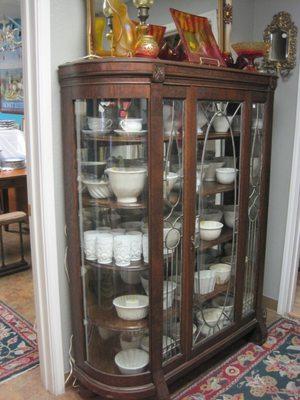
(11,8)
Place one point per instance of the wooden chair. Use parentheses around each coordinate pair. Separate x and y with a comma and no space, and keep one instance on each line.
(6,219)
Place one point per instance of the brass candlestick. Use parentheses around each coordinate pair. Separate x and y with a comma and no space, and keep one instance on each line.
(108,13)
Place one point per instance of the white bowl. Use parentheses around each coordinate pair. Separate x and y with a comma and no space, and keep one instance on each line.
(132,307)
(222,272)
(210,172)
(221,123)
(168,344)
(230,215)
(98,189)
(226,176)
(169,182)
(130,277)
(130,340)
(211,214)
(224,302)
(210,320)
(127,183)
(204,281)
(210,230)
(132,361)
(169,288)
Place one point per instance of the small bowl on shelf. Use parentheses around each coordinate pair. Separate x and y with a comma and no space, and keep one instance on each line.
(204,281)
(225,302)
(222,272)
(221,123)
(230,215)
(210,172)
(169,182)
(132,307)
(98,189)
(127,183)
(210,230)
(132,361)
(210,320)
(226,176)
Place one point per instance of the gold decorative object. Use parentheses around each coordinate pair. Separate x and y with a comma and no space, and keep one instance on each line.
(123,32)
(280,37)
(225,24)
(146,47)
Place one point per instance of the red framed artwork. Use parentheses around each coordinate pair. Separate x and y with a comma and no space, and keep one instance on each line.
(198,40)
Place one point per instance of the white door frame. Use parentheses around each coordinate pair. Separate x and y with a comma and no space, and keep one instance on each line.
(291,251)
(41,189)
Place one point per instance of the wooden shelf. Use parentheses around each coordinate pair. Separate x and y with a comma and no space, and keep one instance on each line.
(109,319)
(134,266)
(111,203)
(217,135)
(123,140)
(210,188)
(116,139)
(225,236)
(218,289)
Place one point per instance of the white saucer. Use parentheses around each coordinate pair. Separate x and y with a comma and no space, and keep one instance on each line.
(121,132)
(99,133)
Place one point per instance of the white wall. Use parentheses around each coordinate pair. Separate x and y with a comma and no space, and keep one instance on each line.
(282,147)
(67,44)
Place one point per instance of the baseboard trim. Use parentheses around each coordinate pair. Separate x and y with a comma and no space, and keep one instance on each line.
(270,303)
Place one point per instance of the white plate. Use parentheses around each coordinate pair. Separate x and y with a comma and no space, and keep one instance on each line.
(125,133)
(90,132)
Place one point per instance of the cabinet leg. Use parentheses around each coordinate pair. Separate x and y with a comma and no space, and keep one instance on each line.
(260,334)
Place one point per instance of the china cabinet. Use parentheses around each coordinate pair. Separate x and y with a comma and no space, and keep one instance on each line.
(166,185)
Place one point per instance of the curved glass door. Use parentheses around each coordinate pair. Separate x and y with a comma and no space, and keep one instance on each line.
(256,142)
(113,191)
(173,125)
(215,239)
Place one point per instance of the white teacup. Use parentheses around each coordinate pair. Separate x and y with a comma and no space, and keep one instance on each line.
(136,245)
(89,238)
(131,124)
(122,250)
(99,124)
(104,246)
(146,247)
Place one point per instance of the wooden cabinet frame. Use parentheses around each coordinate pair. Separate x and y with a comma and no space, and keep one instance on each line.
(154,81)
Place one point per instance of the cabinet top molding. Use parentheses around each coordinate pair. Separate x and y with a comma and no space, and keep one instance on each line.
(161,72)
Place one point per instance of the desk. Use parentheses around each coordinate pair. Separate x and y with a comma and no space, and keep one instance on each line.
(16,182)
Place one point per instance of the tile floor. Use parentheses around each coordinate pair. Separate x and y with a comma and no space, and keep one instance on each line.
(17,291)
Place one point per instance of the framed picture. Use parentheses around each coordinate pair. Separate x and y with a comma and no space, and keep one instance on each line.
(11,89)
(197,38)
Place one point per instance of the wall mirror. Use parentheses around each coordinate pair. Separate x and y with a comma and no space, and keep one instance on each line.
(281,40)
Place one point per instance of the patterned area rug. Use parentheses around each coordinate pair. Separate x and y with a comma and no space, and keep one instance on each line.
(18,344)
(268,372)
